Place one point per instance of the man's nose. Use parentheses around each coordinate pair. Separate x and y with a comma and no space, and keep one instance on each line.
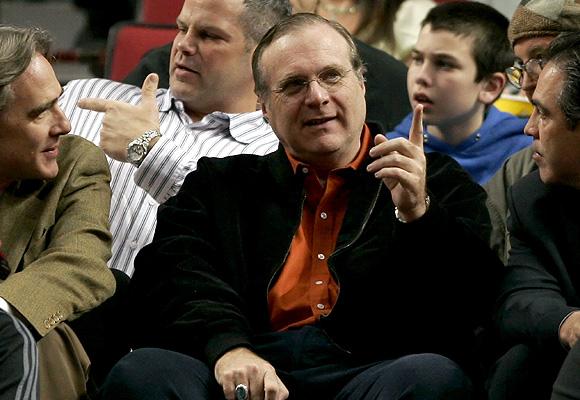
(316,93)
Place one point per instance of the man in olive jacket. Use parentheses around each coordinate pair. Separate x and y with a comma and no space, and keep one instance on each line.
(54,207)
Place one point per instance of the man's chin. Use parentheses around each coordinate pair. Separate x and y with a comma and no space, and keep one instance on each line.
(48,172)
(546,175)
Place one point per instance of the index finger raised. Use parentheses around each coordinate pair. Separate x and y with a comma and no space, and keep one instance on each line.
(416,131)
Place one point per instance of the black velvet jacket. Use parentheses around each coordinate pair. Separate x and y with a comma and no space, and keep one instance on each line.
(201,287)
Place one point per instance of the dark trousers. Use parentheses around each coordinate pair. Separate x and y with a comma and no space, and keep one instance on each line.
(18,360)
(524,373)
(309,364)
(567,385)
(102,332)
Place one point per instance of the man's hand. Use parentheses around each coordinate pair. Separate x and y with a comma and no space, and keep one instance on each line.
(402,166)
(124,122)
(570,329)
(243,366)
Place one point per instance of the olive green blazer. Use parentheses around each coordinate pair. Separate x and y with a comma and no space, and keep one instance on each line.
(56,239)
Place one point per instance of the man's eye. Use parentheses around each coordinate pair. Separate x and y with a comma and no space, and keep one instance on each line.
(416,58)
(331,77)
(293,87)
(208,35)
(444,64)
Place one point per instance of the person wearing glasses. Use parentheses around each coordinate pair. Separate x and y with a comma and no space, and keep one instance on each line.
(539,304)
(342,266)
(532,27)
(456,72)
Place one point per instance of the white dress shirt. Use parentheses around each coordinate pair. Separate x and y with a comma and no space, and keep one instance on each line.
(137,192)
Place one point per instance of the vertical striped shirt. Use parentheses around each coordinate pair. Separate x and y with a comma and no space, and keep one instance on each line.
(137,192)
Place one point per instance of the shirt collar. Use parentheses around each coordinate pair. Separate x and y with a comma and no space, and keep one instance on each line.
(243,127)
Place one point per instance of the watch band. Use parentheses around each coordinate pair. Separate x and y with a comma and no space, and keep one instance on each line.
(138,148)
(427,204)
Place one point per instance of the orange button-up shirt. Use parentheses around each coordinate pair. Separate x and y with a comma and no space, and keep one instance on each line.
(305,289)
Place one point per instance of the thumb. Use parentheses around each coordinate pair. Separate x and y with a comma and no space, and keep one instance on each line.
(148,90)
(416,131)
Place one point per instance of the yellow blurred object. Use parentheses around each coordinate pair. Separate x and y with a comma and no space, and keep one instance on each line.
(517,105)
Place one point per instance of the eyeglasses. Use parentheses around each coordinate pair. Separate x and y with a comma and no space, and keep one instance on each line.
(295,88)
(532,67)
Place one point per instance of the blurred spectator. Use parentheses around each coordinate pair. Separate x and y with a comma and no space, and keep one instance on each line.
(101,15)
(506,7)
(391,26)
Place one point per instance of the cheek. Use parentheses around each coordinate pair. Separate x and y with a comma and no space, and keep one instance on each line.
(174,49)
(410,78)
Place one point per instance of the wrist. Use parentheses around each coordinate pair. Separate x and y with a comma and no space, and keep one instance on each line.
(418,212)
(138,148)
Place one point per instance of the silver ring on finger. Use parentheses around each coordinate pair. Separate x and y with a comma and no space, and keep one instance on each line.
(241,392)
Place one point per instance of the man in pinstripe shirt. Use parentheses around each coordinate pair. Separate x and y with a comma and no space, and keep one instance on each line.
(155,137)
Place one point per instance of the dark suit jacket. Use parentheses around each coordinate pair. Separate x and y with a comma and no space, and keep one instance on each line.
(386,95)
(542,282)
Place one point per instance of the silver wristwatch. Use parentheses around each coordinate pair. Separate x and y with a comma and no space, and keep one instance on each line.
(137,148)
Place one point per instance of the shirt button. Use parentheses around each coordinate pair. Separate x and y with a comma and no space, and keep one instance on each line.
(133,244)
(318,282)
(321,256)
(305,170)
(320,306)
(323,215)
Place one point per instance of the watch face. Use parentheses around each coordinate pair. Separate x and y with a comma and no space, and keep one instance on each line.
(135,152)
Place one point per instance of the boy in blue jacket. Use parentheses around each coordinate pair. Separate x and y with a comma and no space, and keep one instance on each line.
(456,73)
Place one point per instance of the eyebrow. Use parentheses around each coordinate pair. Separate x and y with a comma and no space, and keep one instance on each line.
(437,55)
(36,111)
(535,51)
(327,68)
(538,104)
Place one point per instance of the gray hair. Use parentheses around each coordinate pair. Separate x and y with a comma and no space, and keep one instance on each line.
(564,52)
(17,48)
(260,15)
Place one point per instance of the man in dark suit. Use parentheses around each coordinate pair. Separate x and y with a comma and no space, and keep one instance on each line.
(385,80)
(540,298)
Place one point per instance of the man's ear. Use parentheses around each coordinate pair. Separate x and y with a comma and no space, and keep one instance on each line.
(492,87)
(264,110)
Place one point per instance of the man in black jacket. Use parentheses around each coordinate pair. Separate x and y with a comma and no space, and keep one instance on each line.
(343,265)
(539,313)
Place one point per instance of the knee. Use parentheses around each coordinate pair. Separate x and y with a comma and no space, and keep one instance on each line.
(151,373)
(433,376)
(133,373)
